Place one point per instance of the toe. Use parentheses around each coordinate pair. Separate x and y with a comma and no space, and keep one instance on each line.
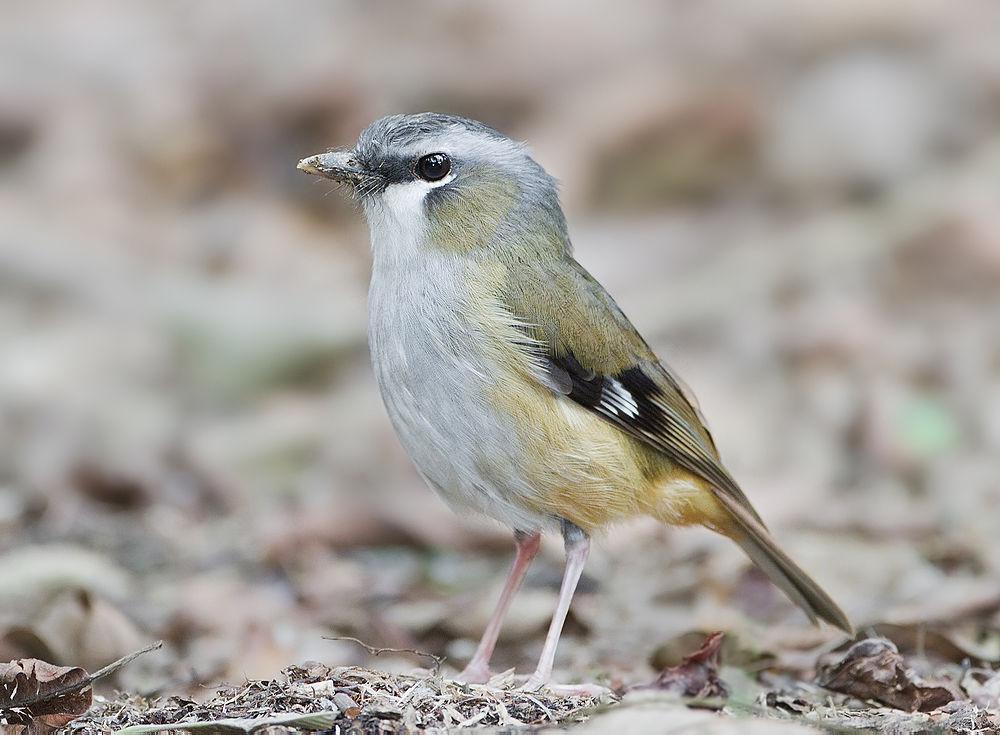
(578,690)
(536,683)
(474,674)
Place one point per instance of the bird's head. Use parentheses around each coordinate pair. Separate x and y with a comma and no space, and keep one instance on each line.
(444,181)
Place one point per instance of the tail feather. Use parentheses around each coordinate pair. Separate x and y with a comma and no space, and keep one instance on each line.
(754,539)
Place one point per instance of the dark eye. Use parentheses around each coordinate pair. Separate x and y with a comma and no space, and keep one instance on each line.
(433,167)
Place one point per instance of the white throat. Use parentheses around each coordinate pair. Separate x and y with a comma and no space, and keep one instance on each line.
(397,222)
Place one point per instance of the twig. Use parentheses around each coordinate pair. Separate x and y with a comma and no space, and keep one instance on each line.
(438,660)
(88,680)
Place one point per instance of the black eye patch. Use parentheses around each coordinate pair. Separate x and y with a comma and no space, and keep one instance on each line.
(392,169)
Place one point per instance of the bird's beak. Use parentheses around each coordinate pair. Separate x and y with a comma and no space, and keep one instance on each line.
(336,165)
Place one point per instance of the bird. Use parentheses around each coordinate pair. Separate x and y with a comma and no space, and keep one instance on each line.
(518,387)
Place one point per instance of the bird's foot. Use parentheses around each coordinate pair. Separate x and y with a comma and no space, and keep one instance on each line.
(475,673)
(538,684)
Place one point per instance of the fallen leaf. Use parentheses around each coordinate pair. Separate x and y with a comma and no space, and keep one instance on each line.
(38,697)
(697,675)
(734,650)
(872,669)
(41,696)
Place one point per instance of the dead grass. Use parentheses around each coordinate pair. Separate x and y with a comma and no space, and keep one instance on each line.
(368,701)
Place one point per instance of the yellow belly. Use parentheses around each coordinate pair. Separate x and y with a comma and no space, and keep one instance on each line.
(591,473)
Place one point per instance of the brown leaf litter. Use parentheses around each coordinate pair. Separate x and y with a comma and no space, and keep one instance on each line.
(353,699)
(39,697)
(697,676)
(873,669)
(368,701)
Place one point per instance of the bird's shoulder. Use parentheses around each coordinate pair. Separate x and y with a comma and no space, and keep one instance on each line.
(591,351)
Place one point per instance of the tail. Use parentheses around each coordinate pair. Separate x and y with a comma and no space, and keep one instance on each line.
(754,539)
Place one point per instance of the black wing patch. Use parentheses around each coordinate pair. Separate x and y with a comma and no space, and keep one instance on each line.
(629,394)
(636,404)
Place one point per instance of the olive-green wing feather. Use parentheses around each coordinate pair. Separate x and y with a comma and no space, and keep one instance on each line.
(592,354)
(586,349)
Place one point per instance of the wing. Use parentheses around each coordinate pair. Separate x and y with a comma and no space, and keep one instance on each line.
(589,351)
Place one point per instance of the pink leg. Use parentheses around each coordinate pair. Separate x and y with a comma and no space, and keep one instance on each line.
(577,549)
(478,670)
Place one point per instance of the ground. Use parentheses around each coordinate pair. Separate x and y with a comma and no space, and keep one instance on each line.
(796,208)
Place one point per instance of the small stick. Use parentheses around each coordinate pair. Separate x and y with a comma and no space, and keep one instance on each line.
(438,660)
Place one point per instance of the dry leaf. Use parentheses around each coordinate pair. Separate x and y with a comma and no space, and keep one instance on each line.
(38,697)
(873,669)
(41,696)
(697,675)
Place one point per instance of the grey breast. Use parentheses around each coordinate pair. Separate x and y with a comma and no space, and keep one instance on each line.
(435,382)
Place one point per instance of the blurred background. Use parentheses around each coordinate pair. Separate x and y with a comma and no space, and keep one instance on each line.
(796,203)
